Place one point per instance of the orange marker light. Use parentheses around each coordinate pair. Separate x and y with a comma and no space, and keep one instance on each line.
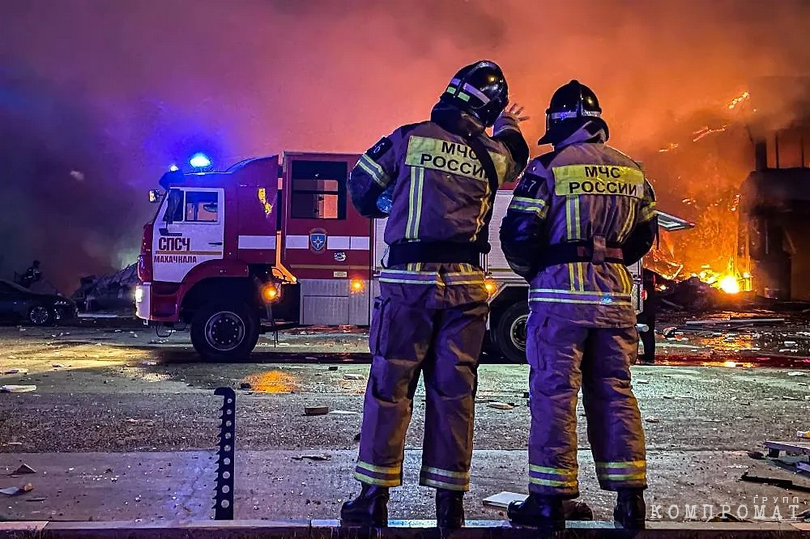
(357,286)
(270,293)
(490,286)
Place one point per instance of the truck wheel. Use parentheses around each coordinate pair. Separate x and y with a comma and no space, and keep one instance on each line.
(510,332)
(224,332)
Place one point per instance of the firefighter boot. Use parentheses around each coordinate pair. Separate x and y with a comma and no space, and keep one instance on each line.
(369,509)
(630,509)
(449,508)
(543,512)
(575,510)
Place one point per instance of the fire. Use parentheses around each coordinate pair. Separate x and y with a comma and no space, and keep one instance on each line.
(729,284)
(698,175)
(738,100)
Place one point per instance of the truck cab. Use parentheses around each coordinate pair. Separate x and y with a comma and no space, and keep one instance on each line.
(230,255)
(207,256)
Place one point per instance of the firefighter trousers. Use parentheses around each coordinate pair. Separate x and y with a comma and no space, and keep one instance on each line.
(409,336)
(562,357)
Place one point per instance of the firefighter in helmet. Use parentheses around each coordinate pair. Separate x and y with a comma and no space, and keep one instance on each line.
(578,216)
(31,275)
(432,309)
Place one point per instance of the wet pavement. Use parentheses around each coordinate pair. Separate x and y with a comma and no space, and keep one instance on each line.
(154,487)
(125,401)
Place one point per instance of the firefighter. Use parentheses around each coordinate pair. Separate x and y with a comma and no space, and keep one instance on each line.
(432,309)
(648,316)
(578,216)
(31,275)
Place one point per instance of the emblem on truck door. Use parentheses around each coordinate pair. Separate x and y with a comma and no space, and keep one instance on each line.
(317,240)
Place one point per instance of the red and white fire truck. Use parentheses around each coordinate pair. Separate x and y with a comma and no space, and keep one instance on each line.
(230,254)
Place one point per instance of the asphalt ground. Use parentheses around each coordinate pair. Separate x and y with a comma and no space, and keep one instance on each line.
(111,399)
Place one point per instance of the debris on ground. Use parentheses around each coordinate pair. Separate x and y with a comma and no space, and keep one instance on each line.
(757,455)
(503,499)
(13,388)
(788,484)
(669,331)
(652,420)
(797,373)
(333,367)
(348,376)
(16,491)
(148,363)
(734,321)
(641,381)
(245,385)
(500,405)
(319,457)
(726,517)
(23,469)
(57,366)
(316,410)
(16,371)
(344,412)
(803,434)
(692,294)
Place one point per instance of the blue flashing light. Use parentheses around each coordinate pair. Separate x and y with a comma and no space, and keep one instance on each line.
(199,160)
(174,168)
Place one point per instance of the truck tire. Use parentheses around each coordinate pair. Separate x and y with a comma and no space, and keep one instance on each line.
(510,332)
(225,332)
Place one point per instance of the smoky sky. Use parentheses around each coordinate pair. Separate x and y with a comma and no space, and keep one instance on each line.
(98,97)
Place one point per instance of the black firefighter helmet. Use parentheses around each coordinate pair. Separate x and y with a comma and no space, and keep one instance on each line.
(571,107)
(479,89)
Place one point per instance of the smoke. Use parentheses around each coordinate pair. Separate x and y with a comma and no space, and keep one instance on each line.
(118,91)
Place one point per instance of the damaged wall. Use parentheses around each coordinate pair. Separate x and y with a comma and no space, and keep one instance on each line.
(118,91)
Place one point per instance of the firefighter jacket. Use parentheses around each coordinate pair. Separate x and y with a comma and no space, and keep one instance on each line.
(441,194)
(578,216)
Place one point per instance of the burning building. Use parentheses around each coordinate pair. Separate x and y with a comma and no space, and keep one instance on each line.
(697,175)
(774,226)
(743,177)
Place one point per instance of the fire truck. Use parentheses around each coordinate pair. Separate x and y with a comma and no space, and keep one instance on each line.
(275,240)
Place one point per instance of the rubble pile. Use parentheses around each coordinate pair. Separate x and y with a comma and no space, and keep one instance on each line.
(114,292)
(695,295)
